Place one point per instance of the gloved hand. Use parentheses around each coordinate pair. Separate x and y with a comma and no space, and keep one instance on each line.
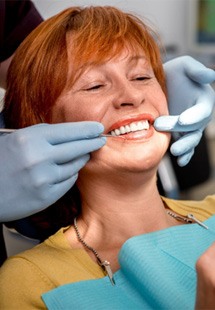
(191,104)
(39,164)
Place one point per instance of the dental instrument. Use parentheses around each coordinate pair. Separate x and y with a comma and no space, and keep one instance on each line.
(6,130)
(106,135)
(9,130)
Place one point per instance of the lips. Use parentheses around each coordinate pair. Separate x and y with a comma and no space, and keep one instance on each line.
(134,124)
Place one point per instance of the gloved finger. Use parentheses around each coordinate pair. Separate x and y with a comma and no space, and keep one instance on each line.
(184,159)
(57,191)
(75,131)
(65,132)
(66,152)
(186,143)
(200,112)
(49,174)
(167,123)
(171,123)
(68,170)
(198,72)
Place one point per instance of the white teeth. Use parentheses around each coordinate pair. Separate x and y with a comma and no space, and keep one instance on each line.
(122,129)
(117,132)
(127,128)
(135,126)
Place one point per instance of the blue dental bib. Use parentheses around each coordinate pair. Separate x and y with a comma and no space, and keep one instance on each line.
(157,271)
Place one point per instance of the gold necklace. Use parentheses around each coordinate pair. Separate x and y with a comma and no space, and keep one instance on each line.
(190,218)
(105,265)
(179,217)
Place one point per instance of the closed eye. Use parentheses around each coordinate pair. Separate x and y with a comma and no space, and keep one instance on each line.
(142,78)
(95,87)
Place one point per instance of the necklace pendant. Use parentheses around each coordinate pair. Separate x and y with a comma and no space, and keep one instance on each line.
(194,219)
(106,265)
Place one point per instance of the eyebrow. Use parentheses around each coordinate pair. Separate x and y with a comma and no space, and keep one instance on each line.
(132,58)
(136,57)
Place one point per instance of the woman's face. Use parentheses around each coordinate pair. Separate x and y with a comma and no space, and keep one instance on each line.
(124,95)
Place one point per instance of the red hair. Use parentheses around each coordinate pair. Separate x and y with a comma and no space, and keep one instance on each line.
(67,42)
(50,59)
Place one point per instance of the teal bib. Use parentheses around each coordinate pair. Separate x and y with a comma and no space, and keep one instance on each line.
(157,271)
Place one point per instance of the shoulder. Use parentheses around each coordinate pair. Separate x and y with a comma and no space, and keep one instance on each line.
(23,17)
(34,260)
(22,11)
(54,262)
(26,276)
(31,265)
(202,209)
(21,284)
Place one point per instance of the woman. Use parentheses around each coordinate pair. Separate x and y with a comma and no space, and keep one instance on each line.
(100,64)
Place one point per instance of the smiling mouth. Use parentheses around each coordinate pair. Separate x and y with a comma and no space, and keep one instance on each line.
(132,127)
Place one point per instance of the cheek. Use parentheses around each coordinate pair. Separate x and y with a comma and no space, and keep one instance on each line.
(159,100)
(64,114)
(164,108)
(70,111)
(64,111)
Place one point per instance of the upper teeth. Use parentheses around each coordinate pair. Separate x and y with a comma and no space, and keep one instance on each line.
(135,126)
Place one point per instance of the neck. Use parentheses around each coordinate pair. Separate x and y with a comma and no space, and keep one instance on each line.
(115,206)
(113,212)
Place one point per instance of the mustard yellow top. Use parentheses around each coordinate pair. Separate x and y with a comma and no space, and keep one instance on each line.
(26,276)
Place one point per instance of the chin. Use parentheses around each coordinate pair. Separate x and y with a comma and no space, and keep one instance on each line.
(144,163)
(136,157)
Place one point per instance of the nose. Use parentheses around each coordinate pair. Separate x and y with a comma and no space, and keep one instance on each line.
(127,95)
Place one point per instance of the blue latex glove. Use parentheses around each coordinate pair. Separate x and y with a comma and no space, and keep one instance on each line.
(191,101)
(39,164)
